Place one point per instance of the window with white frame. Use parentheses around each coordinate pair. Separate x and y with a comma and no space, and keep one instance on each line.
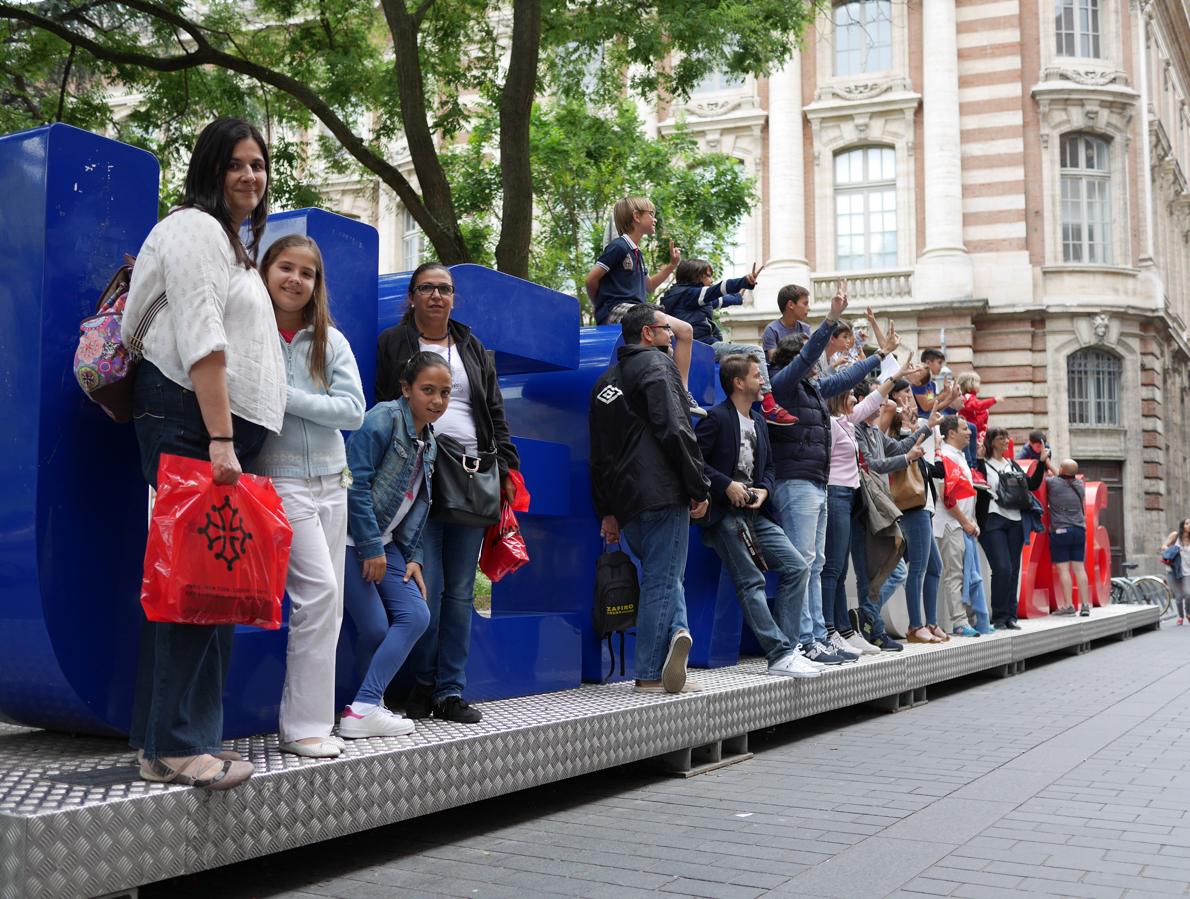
(1093,380)
(863,37)
(716,82)
(1076,27)
(866,208)
(1086,199)
(413,242)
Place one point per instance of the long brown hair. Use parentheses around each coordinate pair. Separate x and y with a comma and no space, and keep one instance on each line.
(317,312)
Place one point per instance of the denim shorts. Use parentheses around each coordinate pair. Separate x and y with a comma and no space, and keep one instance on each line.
(1068,545)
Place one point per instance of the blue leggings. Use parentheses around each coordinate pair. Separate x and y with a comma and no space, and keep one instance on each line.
(389,616)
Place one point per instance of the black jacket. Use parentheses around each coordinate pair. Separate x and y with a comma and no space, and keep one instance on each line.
(398,344)
(643,451)
(803,451)
(719,440)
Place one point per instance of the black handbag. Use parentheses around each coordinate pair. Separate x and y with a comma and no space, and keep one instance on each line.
(466,485)
(1012,489)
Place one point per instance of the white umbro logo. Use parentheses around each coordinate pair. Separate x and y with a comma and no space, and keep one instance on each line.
(609,394)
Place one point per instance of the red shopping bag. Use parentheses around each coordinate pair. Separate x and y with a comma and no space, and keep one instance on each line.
(504,549)
(520,502)
(216,554)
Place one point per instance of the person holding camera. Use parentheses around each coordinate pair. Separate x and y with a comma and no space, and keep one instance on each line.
(741,525)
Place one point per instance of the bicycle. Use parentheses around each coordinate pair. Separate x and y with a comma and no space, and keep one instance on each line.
(1148,589)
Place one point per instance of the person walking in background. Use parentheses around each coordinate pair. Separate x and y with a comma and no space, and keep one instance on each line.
(1067,497)
(1180,566)
(308,464)
(647,480)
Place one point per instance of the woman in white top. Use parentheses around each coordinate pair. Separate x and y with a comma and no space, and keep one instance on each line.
(1001,532)
(211,385)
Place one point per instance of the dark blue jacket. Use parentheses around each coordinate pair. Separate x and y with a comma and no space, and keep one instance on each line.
(802,451)
(719,441)
(693,304)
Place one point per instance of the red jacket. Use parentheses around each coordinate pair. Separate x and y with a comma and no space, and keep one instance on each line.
(975,410)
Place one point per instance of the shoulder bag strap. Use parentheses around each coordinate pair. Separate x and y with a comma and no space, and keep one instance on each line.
(137,344)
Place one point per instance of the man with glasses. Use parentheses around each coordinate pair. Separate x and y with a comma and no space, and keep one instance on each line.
(647,480)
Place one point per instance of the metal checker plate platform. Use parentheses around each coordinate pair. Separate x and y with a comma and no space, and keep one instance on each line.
(75,821)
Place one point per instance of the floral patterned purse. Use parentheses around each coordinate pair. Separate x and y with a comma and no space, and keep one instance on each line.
(103,365)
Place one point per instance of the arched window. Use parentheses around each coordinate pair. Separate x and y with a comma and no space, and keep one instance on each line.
(1077,27)
(866,208)
(1086,199)
(863,37)
(1093,380)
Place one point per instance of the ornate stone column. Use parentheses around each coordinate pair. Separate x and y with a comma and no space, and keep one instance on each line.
(787,191)
(943,270)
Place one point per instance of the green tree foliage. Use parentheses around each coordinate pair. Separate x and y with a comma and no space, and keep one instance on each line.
(385,81)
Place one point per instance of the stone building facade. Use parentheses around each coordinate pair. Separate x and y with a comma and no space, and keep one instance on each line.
(1006,178)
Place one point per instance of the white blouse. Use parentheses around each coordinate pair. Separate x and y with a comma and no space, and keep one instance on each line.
(993,469)
(212,304)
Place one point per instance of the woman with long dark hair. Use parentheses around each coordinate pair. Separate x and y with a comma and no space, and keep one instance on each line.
(211,385)
(475,421)
(1181,588)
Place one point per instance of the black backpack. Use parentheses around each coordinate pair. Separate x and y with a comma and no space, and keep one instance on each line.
(1012,489)
(617,594)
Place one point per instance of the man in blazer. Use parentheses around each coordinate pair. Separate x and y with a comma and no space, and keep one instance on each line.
(740,526)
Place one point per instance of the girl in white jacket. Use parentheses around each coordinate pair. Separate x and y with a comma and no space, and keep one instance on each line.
(308,465)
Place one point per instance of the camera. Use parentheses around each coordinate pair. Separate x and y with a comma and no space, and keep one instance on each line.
(752,496)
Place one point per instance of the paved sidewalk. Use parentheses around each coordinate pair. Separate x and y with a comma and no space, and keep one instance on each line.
(1072,779)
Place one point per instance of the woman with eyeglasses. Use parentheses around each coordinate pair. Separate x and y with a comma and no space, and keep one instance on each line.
(475,419)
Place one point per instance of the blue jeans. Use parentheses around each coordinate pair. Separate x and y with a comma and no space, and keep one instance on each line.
(450,553)
(389,616)
(724,348)
(772,628)
(871,620)
(840,507)
(1002,540)
(802,506)
(660,539)
(925,567)
(177,707)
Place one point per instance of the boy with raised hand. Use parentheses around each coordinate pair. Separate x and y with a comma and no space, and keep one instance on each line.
(620,280)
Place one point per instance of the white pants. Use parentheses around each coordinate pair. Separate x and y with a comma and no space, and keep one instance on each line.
(317,511)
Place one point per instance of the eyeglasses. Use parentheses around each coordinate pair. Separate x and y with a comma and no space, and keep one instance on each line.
(667,327)
(426,290)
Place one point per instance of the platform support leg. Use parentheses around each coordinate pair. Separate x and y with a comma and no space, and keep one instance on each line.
(707,757)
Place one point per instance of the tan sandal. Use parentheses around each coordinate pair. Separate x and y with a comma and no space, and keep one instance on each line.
(943,636)
(203,771)
(916,635)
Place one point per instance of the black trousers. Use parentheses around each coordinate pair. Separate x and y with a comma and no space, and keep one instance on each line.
(1002,540)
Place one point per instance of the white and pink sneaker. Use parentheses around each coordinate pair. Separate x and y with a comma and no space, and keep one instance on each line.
(373,721)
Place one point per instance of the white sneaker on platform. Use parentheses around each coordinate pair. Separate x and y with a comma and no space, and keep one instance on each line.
(857,643)
(841,647)
(794,665)
(375,722)
(804,652)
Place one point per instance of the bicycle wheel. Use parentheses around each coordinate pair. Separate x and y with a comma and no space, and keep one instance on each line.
(1121,591)
(1156,592)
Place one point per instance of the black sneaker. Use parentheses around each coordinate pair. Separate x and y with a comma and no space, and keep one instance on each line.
(457,709)
(886,643)
(1086,611)
(1011,625)
(420,701)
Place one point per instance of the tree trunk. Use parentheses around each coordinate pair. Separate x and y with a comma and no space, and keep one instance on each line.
(516,108)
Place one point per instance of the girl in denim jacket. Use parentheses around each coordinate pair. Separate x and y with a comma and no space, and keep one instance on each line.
(308,465)
(392,463)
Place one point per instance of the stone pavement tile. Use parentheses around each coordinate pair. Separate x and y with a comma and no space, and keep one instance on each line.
(1157,872)
(782,868)
(1031,885)
(520,882)
(757,879)
(1145,894)
(1006,785)
(952,819)
(1169,888)
(979,891)
(930,886)
(703,888)
(849,874)
(1083,859)
(615,891)
(948,870)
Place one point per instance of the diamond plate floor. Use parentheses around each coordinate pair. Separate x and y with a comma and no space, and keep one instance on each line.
(75,821)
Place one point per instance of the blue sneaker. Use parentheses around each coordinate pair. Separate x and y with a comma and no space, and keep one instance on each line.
(886,643)
(965,631)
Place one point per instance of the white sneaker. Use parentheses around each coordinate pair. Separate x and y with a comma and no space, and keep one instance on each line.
(376,722)
(857,643)
(794,665)
(841,647)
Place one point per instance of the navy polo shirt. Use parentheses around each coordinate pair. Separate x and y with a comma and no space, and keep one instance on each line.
(625,279)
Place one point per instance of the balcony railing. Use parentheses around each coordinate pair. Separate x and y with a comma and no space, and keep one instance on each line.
(866,287)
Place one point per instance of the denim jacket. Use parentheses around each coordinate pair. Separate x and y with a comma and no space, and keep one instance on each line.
(310,445)
(381,455)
